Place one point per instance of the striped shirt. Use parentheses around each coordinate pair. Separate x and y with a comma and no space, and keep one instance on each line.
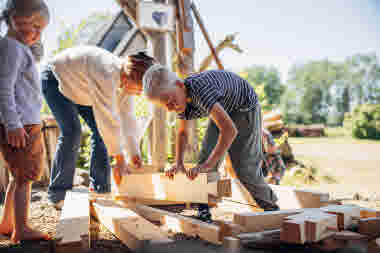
(204,89)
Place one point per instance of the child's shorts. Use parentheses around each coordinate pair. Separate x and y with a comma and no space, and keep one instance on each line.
(25,164)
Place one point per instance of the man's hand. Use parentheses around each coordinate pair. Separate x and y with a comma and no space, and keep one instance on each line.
(17,137)
(179,167)
(136,161)
(194,172)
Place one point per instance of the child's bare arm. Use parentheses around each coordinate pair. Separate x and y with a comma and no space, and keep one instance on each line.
(227,134)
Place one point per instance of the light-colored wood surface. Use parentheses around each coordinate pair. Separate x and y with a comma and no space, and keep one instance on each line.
(345,214)
(132,229)
(157,186)
(310,226)
(261,221)
(178,223)
(74,221)
(294,198)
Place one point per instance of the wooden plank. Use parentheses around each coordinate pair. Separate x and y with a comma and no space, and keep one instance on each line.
(228,228)
(149,202)
(132,229)
(294,231)
(293,198)
(261,221)
(345,214)
(369,226)
(178,223)
(198,18)
(157,186)
(315,224)
(73,226)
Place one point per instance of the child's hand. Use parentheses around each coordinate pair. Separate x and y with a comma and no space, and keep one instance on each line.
(17,137)
(120,169)
(174,170)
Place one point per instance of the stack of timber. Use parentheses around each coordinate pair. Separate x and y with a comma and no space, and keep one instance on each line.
(315,130)
(273,121)
(309,225)
(141,225)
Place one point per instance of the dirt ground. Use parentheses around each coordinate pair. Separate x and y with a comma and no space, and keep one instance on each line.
(355,167)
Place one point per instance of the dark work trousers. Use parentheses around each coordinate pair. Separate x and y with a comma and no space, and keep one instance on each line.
(246,154)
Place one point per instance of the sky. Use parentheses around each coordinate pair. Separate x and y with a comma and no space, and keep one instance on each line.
(271,32)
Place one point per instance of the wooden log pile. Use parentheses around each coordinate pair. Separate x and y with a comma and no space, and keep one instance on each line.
(315,130)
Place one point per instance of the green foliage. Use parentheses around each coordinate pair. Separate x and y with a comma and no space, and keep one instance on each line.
(365,122)
(73,35)
(270,79)
(83,161)
(323,91)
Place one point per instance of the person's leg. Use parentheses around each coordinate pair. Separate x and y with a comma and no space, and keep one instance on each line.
(208,144)
(246,155)
(100,169)
(66,115)
(22,229)
(6,225)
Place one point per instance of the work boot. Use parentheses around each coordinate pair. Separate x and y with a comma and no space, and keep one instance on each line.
(267,206)
(204,213)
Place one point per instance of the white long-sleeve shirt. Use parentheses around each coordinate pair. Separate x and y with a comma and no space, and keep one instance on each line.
(90,76)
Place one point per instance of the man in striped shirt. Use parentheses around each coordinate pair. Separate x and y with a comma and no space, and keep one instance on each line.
(235,124)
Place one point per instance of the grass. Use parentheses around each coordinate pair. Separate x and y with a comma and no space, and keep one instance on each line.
(307,174)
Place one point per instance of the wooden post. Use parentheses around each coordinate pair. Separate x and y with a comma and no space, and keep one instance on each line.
(159,149)
(205,34)
(186,50)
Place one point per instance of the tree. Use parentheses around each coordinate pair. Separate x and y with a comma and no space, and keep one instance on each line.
(269,77)
(73,35)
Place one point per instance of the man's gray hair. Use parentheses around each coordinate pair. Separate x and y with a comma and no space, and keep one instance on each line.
(157,77)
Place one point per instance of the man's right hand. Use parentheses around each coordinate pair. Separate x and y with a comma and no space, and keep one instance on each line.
(17,138)
(179,167)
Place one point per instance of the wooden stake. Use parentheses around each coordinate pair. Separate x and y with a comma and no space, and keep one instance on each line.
(205,34)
